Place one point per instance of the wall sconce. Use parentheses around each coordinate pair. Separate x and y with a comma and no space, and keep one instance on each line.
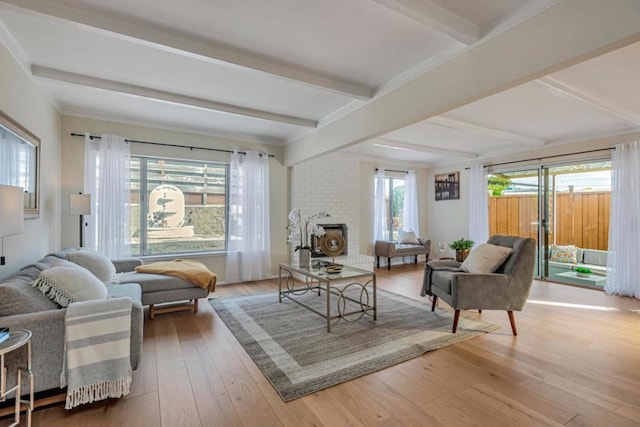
(11,213)
(80,204)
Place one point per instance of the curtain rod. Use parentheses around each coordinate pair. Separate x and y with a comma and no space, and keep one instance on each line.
(393,170)
(170,145)
(546,157)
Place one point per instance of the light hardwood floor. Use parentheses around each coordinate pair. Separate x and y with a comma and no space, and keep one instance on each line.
(575,362)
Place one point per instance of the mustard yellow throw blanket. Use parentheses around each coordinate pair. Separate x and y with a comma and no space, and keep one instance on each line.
(192,271)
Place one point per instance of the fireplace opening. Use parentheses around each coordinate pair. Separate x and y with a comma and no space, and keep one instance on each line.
(329,229)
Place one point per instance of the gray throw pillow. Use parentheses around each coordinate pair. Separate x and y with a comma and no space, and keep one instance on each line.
(95,262)
(66,282)
(486,258)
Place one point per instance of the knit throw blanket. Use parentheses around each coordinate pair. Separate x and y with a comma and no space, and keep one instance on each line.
(189,270)
(97,363)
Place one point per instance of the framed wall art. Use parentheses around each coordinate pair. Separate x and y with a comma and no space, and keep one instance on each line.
(448,186)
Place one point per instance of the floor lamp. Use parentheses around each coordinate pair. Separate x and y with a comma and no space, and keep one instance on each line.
(80,204)
(11,213)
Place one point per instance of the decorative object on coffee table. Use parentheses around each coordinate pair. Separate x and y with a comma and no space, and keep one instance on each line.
(300,232)
(462,247)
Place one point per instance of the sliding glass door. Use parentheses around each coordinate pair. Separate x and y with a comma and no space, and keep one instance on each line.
(565,207)
(514,204)
(578,197)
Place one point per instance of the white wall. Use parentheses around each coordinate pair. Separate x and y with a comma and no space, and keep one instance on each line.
(73,170)
(330,183)
(343,185)
(22,100)
(448,220)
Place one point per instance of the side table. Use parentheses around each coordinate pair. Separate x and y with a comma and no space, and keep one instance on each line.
(18,338)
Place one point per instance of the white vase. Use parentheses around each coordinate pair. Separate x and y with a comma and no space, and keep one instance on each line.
(304,257)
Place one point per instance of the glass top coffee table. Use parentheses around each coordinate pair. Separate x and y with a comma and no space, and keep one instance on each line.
(352,291)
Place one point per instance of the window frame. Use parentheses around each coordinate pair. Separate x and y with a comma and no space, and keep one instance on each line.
(144,201)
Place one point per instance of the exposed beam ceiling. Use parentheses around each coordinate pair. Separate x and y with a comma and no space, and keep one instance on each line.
(434,16)
(590,100)
(517,55)
(78,79)
(390,143)
(482,130)
(166,39)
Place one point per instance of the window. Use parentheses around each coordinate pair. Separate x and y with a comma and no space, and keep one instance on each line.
(394,204)
(178,206)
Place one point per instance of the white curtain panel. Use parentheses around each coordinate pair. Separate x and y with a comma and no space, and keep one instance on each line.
(106,179)
(410,209)
(381,218)
(623,268)
(249,251)
(478,205)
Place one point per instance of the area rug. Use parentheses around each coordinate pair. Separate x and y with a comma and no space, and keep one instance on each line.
(291,346)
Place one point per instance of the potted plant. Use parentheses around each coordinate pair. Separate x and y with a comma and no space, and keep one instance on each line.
(462,247)
(582,271)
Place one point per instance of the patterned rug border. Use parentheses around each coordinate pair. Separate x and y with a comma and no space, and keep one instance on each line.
(293,380)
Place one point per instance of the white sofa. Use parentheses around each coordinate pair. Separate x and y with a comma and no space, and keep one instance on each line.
(593,259)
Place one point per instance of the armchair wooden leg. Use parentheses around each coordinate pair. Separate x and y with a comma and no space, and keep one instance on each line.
(433,304)
(416,260)
(456,316)
(389,264)
(512,320)
(479,311)
(378,261)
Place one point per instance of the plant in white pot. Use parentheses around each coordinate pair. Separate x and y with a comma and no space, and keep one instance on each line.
(300,231)
(582,271)
(462,247)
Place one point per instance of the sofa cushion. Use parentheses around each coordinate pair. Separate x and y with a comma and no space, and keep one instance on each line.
(442,280)
(408,237)
(155,282)
(595,257)
(486,258)
(66,282)
(17,296)
(131,290)
(95,262)
(568,254)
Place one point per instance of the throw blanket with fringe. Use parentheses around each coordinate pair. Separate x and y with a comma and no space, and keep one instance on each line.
(189,270)
(97,362)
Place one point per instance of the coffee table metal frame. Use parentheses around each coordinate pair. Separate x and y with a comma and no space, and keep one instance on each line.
(17,338)
(317,280)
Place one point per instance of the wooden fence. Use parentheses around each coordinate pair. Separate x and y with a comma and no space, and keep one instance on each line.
(581,219)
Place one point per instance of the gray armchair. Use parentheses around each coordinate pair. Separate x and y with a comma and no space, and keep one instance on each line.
(505,289)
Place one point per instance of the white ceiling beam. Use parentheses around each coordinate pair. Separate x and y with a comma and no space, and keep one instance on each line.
(559,36)
(482,130)
(169,39)
(190,101)
(590,100)
(436,17)
(423,148)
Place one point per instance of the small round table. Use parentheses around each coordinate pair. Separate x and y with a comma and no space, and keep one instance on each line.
(18,338)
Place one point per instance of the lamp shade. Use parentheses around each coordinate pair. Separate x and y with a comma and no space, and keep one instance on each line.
(11,210)
(80,204)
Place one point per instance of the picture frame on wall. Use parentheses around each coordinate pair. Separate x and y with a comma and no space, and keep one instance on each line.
(447,186)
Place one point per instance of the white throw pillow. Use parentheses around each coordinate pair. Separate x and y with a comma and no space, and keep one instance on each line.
(95,262)
(65,282)
(408,238)
(486,258)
